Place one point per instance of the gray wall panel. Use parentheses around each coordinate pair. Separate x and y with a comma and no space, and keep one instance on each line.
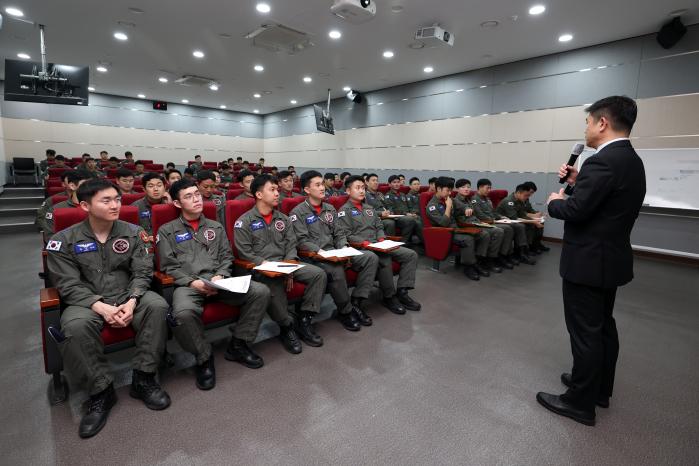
(580,88)
(525,95)
(625,51)
(676,75)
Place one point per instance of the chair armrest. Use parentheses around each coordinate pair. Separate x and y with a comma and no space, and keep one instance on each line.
(317,257)
(247,265)
(395,238)
(164,279)
(468,230)
(49,299)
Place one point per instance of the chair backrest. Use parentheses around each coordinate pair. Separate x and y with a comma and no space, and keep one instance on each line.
(57,172)
(384,188)
(129,213)
(164,213)
(154,167)
(23,163)
(424,188)
(234,209)
(52,190)
(128,199)
(138,182)
(233,193)
(112,172)
(338,184)
(130,166)
(52,183)
(289,203)
(146,162)
(338,201)
(65,217)
(497,195)
(404,189)
(424,199)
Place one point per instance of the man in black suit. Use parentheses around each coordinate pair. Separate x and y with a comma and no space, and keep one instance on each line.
(602,205)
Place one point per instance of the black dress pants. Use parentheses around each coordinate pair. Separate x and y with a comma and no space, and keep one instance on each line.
(594,342)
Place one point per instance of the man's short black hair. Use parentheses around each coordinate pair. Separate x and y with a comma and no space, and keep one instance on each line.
(444,182)
(189,171)
(197,156)
(262,158)
(50,152)
(522,187)
(351,179)
(103,152)
(260,181)
(483,182)
(203,175)
(152,176)
(284,174)
(400,175)
(86,155)
(621,111)
(139,162)
(90,188)
(371,175)
(180,185)
(74,176)
(113,159)
(245,161)
(461,182)
(170,164)
(307,176)
(414,178)
(239,158)
(344,174)
(127,153)
(123,173)
(172,170)
(530,185)
(327,176)
(244,174)
(392,178)
(59,156)
(432,180)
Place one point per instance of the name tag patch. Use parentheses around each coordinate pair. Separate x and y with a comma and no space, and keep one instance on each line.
(183,237)
(355,213)
(85,247)
(257,225)
(145,214)
(311,219)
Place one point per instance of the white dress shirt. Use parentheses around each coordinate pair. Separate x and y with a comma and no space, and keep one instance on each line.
(602,146)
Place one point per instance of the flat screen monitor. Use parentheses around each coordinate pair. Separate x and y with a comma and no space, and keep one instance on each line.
(62,84)
(323,123)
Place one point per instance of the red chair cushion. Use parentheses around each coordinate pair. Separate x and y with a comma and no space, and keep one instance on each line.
(233,193)
(497,195)
(338,201)
(128,199)
(289,203)
(296,292)
(112,335)
(217,311)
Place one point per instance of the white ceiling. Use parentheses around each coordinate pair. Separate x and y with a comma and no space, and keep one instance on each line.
(80,32)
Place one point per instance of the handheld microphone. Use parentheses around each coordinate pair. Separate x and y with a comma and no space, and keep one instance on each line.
(577,150)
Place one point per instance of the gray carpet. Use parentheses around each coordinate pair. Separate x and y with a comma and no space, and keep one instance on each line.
(452,384)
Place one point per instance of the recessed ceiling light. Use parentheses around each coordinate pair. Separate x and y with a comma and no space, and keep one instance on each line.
(259,68)
(428,69)
(388,54)
(346,88)
(91,89)
(12,11)
(101,69)
(136,11)
(263,8)
(213,86)
(120,36)
(565,38)
(222,107)
(198,54)
(162,79)
(256,95)
(23,56)
(141,96)
(537,9)
(335,34)
(256,111)
(185,101)
(285,120)
(307,79)
(293,102)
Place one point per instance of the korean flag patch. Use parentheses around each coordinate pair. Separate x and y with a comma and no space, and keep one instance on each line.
(431,208)
(510,203)
(474,201)
(341,213)
(49,215)
(238,224)
(293,218)
(53,245)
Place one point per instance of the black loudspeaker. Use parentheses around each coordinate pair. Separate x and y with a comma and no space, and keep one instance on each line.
(671,33)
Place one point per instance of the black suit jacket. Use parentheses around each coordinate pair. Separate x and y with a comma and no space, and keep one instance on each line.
(599,215)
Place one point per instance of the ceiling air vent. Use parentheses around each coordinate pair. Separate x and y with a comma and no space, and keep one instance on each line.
(280,38)
(192,80)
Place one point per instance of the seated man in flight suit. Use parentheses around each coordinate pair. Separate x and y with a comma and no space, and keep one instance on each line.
(316,228)
(537,247)
(206,182)
(103,270)
(154,186)
(72,180)
(286,186)
(361,224)
(397,203)
(377,200)
(192,247)
(246,177)
(265,234)
(440,211)
(512,207)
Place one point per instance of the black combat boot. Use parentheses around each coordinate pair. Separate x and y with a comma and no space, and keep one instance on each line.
(289,339)
(305,330)
(362,317)
(145,387)
(504,263)
(349,321)
(408,302)
(239,351)
(471,272)
(98,407)
(493,265)
(206,374)
(524,258)
(393,305)
(481,268)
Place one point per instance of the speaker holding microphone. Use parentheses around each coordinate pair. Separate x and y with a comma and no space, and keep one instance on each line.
(574,154)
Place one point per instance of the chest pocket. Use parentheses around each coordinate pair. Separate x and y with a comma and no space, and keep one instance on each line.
(87,254)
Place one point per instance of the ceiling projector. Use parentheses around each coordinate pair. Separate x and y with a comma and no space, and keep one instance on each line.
(434,35)
(354,11)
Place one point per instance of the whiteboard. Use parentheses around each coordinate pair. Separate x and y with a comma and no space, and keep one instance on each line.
(672,177)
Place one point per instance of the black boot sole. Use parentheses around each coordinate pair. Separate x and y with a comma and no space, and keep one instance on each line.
(230,357)
(205,387)
(568,414)
(134,394)
(100,426)
(309,342)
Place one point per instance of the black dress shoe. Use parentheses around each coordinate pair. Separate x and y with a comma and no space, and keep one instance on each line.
(504,263)
(145,387)
(408,302)
(393,305)
(524,259)
(349,321)
(97,412)
(471,273)
(602,401)
(482,271)
(289,339)
(557,405)
(305,330)
(362,317)
(239,351)
(206,374)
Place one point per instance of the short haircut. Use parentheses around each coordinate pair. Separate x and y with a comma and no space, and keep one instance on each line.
(444,182)
(483,182)
(284,174)
(243,174)
(414,178)
(170,164)
(123,173)
(260,181)
(50,152)
(400,175)
(432,180)
(152,176)
(86,155)
(462,182)
(203,175)
(530,185)
(197,157)
(392,178)
(307,176)
(178,186)
(139,162)
(262,158)
(103,152)
(522,187)
(113,159)
(127,153)
(245,161)
(189,171)
(224,166)
(621,111)
(59,156)
(327,176)
(351,179)
(74,176)
(371,175)
(90,188)
(239,158)
(171,171)
(344,174)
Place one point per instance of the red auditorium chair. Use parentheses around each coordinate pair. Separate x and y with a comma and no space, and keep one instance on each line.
(404,189)
(154,167)
(53,182)
(146,162)
(130,166)
(128,199)
(53,190)
(424,189)
(233,193)
(289,203)
(384,188)
(497,195)
(57,172)
(338,185)
(114,339)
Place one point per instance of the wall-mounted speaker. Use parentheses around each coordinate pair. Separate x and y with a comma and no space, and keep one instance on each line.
(671,33)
